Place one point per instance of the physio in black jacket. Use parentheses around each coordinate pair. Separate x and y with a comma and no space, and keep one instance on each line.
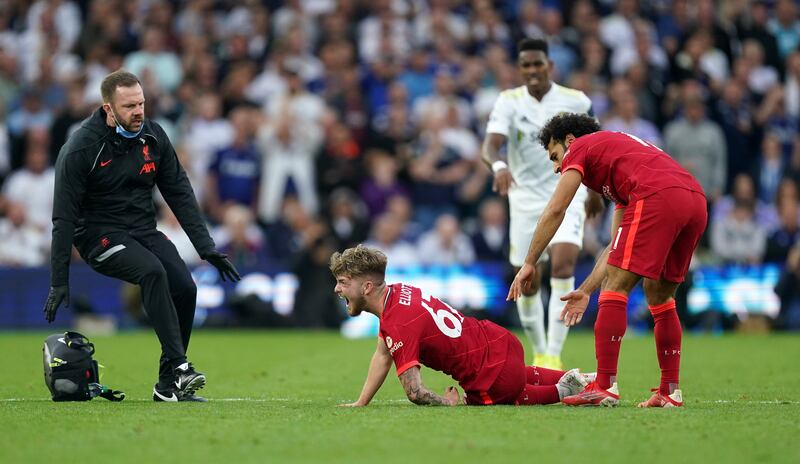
(103,204)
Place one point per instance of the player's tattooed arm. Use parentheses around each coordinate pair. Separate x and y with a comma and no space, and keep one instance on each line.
(417,392)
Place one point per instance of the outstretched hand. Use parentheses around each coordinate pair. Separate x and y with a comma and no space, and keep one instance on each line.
(57,295)
(522,282)
(223,265)
(577,301)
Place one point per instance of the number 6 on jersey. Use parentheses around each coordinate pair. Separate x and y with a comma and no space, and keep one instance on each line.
(442,315)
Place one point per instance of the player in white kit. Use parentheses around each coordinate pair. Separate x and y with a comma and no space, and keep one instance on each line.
(527,178)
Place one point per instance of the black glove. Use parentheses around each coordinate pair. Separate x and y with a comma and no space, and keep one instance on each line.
(223,265)
(58,294)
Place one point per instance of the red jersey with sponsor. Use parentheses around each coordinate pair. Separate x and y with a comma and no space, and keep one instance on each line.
(421,329)
(624,168)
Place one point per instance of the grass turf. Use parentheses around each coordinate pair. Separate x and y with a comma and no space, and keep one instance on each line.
(274,397)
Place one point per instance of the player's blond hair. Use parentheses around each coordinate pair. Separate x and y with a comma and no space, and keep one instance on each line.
(359,261)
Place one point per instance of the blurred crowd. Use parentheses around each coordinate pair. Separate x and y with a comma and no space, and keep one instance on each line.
(310,125)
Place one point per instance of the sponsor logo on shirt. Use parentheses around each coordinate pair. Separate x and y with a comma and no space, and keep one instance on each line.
(390,342)
(396,347)
(148,168)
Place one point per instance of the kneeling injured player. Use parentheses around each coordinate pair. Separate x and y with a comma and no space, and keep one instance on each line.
(418,329)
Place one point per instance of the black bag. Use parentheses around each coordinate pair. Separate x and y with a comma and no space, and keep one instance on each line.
(70,373)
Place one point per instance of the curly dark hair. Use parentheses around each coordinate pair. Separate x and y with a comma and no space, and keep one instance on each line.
(562,124)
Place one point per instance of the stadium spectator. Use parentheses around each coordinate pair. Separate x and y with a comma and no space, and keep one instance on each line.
(402,209)
(645,51)
(234,172)
(436,173)
(616,29)
(762,77)
(792,86)
(698,144)
(23,244)
(787,235)
(563,56)
(347,218)
(438,104)
(770,168)
(31,188)
(626,119)
(386,236)
(733,112)
(743,191)
(772,116)
(314,308)
(339,163)
(381,183)
(206,132)
(288,144)
(737,237)
(445,244)
(293,232)
(31,114)
(785,26)
(490,239)
(752,22)
(239,237)
(159,67)
(68,119)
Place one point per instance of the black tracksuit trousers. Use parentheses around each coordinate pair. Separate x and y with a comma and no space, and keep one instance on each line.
(150,260)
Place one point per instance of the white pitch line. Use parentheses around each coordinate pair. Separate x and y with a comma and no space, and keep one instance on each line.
(399,401)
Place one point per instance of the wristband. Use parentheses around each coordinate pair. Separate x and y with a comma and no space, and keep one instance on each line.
(499,165)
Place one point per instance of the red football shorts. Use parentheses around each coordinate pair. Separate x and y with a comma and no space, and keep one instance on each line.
(509,382)
(659,233)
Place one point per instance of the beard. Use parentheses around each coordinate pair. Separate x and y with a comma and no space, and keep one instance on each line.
(133,124)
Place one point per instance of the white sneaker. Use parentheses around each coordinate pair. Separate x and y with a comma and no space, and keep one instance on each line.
(571,383)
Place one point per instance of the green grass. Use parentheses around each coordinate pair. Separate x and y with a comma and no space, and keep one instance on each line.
(274,397)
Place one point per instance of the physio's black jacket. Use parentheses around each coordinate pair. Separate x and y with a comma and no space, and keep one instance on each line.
(104,183)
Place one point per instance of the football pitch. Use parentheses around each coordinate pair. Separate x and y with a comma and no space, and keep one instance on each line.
(274,395)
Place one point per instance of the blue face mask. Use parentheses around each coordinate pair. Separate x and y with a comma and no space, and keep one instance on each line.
(129,134)
(123,132)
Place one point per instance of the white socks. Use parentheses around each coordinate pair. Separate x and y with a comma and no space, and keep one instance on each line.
(531,316)
(556,330)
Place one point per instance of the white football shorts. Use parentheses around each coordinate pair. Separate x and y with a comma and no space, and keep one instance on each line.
(523,224)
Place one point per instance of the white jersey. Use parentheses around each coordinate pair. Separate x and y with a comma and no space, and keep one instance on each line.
(520,117)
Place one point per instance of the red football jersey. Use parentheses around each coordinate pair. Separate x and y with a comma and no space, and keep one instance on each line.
(623,168)
(420,329)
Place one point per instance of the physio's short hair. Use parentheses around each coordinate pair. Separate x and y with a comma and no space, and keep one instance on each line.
(560,125)
(359,261)
(118,78)
(529,44)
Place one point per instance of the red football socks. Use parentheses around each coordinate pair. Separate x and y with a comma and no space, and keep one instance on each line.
(535,375)
(668,335)
(612,320)
(538,394)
